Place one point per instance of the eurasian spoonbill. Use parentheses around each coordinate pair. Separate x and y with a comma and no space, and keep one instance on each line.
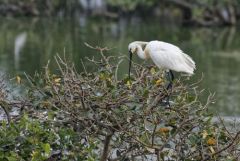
(165,55)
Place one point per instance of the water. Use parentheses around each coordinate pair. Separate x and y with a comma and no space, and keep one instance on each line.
(27,44)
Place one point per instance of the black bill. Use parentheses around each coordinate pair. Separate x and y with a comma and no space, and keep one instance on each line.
(130,63)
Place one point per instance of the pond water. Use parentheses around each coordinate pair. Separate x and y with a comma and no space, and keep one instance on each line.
(27,44)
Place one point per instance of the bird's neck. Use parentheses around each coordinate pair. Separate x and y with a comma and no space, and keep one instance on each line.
(140,52)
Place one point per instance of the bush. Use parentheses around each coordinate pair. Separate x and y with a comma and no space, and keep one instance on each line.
(97,116)
(30,139)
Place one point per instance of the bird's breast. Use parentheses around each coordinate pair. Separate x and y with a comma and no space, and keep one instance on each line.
(146,53)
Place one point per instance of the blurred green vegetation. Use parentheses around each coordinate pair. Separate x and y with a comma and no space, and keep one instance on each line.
(194,12)
(128,5)
(37,7)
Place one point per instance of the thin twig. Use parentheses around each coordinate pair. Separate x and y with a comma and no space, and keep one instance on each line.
(106,147)
(235,139)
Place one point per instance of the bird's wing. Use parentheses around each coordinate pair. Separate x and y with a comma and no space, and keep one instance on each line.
(169,56)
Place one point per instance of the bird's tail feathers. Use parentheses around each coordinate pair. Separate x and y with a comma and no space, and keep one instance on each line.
(189,61)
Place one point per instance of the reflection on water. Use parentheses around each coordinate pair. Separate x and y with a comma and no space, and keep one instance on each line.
(27,44)
(19,44)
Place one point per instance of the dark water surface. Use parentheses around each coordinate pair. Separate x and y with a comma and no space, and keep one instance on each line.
(27,44)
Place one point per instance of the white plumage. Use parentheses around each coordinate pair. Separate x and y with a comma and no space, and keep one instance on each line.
(164,55)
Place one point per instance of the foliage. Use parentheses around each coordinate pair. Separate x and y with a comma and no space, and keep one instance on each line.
(128,5)
(37,7)
(198,12)
(31,139)
(98,116)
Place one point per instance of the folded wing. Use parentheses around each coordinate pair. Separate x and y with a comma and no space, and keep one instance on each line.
(169,56)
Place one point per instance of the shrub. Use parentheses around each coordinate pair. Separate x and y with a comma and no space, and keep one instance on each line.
(97,116)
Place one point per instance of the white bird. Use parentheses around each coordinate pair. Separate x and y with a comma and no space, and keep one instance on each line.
(165,55)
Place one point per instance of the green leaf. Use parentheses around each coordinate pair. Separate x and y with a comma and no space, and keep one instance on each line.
(194,139)
(47,148)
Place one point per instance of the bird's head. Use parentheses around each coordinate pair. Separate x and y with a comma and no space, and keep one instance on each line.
(132,48)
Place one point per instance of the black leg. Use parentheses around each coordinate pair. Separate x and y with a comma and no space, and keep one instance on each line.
(169,86)
(171,78)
